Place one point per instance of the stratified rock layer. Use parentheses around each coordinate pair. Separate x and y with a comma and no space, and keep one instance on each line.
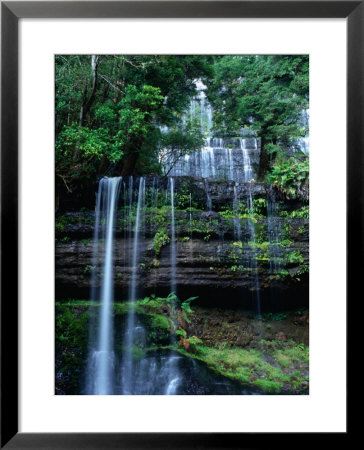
(210,263)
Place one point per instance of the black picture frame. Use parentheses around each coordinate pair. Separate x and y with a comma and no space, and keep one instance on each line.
(11,12)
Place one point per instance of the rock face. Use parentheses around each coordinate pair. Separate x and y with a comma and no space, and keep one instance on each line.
(211,261)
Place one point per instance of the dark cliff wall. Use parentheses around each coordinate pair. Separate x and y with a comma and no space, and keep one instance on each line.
(211,263)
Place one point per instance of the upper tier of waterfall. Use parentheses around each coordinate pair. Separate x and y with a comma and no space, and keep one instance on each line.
(220,158)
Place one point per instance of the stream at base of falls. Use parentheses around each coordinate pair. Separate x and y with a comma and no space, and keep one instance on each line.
(151,376)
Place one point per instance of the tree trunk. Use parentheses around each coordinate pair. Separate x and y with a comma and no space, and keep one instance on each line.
(264,160)
(87,102)
(129,165)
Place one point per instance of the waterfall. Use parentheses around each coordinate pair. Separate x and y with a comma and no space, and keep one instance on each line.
(132,330)
(303,144)
(191,241)
(101,364)
(253,260)
(173,239)
(190,215)
(208,197)
(248,175)
(172,362)
(275,250)
(218,159)
(230,163)
(248,172)
(237,227)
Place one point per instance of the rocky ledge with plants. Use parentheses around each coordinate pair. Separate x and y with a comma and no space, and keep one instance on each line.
(268,353)
(213,253)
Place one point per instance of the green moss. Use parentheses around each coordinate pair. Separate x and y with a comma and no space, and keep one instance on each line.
(77,302)
(273,387)
(251,367)
(159,321)
(121,308)
(283,360)
(291,355)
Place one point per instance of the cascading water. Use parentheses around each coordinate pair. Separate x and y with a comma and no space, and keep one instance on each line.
(253,259)
(248,171)
(133,331)
(173,239)
(101,360)
(230,164)
(172,361)
(208,197)
(248,176)
(275,249)
(219,159)
(237,227)
(190,216)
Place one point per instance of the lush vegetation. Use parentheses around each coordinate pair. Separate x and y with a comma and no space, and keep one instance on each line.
(114,114)
(110,111)
(273,366)
(266,94)
(122,115)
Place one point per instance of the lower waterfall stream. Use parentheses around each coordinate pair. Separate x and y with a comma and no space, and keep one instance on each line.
(165,372)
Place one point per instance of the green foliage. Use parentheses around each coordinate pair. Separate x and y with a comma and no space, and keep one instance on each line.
(71,342)
(301,213)
(137,353)
(159,321)
(274,367)
(290,176)
(260,207)
(186,304)
(60,223)
(110,109)
(186,308)
(294,257)
(304,268)
(181,333)
(156,302)
(161,239)
(263,92)
(91,143)
(194,340)
(182,200)
(88,269)
(245,212)
(286,243)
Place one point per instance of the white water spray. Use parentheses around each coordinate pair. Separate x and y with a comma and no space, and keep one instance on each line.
(102,357)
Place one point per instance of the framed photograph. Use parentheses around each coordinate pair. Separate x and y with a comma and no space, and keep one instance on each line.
(181,188)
